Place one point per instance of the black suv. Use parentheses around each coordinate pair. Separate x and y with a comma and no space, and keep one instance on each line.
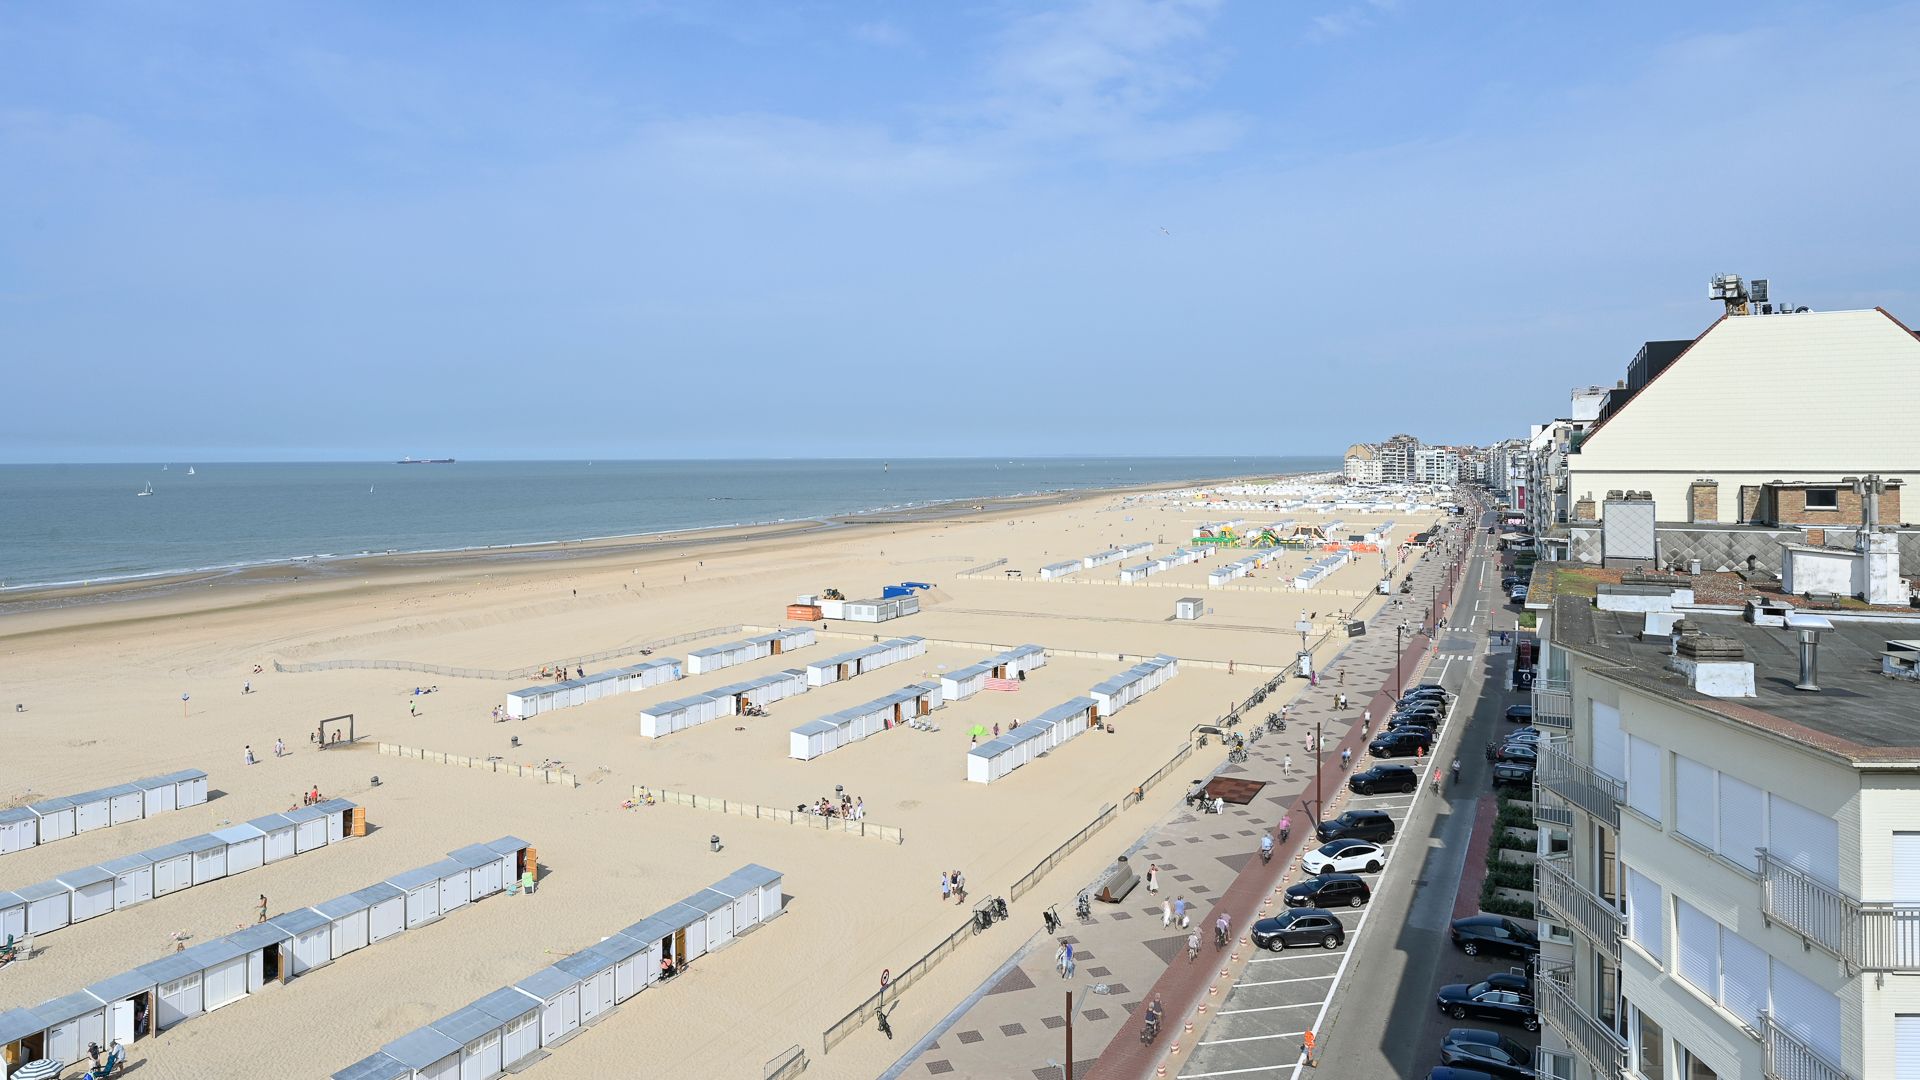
(1519,714)
(1329,891)
(1478,934)
(1372,825)
(1404,742)
(1517,773)
(1300,926)
(1383,778)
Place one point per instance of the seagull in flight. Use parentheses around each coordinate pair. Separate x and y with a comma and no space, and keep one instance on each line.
(1163,230)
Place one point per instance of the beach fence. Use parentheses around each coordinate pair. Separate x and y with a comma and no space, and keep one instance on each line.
(976,571)
(561,777)
(787,1063)
(787,816)
(902,979)
(1058,855)
(1132,797)
(527,672)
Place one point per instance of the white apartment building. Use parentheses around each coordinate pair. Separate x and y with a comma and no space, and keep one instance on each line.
(1730,874)
(1435,465)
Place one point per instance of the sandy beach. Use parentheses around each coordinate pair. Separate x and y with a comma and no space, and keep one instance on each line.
(103,684)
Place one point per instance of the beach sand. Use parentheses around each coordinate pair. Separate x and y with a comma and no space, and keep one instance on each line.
(104,681)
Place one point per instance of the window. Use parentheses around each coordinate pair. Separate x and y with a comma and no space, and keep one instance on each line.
(1743,822)
(1609,747)
(1803,839)
(1823,498)
(1743,978)
(1645,925)
(1697,947)
(1692,1068)
(1693,801)
(1811,1014)
(1906,1047)
(1643,777)
(1557,1066)
(1649,1045)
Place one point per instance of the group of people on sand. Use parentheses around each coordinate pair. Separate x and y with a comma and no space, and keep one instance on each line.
(849,807)
(559,671)
(310,798)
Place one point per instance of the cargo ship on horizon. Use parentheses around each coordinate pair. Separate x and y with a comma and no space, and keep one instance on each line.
(424,461)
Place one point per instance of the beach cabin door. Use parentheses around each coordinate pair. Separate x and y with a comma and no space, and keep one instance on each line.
(179,1000)
(225,983)
(336,827)
(120,1021)
(18,835)
(480,1059)
(13,921)
(561,1016)
(522,1038)
(423,903)
(130,889)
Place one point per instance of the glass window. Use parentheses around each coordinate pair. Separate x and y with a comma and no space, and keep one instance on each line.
(1692,1068)
(1649,1047)
(1823,498)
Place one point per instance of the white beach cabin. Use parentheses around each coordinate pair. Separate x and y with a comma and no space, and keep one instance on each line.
(19,829)
(125,803)
(172,867)
(90,892)
(57,818)
(310,943)
(309,828)
(347,917)
(209,857)
(456,888)
(158,795)
(513,853)
(71,1023)
(276,831)
(132,879)
(654,935)
(718,910)
(176,979)
(13,916)
(49,906)
(519,1016)
(386,911)
(594,969)
(223,972)
(756,895)
(427,1054)
(92,810)
(478,1034)
(559,996)
(422,889)
(128,999)
(246,848)
(629,957)
(263,946)
(486,869)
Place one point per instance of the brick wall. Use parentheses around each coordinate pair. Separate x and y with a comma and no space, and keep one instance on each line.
(1790,508)
(1703,502)
(1749,502)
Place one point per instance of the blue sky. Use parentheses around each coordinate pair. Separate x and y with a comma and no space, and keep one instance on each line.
(704,229)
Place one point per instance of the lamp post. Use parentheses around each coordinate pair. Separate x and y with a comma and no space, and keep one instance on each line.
(1399,632)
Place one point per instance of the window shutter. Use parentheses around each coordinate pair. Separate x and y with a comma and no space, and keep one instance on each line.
(1810,1013)
(1643,777)
(1743,978)
(1609,747)
(1644,922)
(1743,816)
(1693,800)
(1803,838)
(1697,947)
(1906,1048)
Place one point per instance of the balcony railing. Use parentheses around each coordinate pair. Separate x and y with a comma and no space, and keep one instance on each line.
(1790,1059)
(1548,809)
(1596,793)
(1604,1051)
(1578,906)
(1866,936)
(1552,703)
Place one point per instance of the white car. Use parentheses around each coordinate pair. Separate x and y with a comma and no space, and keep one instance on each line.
(1526,735)
(1345,857)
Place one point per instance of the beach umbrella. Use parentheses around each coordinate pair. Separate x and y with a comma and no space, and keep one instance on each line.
(978,729)
(39,1069)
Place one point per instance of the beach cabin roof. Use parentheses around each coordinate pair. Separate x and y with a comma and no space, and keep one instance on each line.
(816,727)
(17,1024)
(374,894)
(39,891)
(168,968)
(746,879)
(127,864)
(236,834)
(51,806)
(445,868)
(120,987)
(304,814)
(547,982)
(272,823)
(300,921)
(170,851)
(419,1049)
(508,845)
(334,806)
(118,790)
(203,842)
(586,963)
(152,783)
(706,901)
(506,1004)
(62,1009)
(375,1066)
(341,906)
(11,899)
(183,774)
(85,876)
(619,947)
(465,1024)
(211,953)
(413,879)
(651,929)
(17,813)
(473,856)
(257,936)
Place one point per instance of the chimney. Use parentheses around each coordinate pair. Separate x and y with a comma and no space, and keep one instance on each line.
(1809,660)
(1713,665)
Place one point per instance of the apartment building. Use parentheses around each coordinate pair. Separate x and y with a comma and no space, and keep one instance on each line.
(1729,882)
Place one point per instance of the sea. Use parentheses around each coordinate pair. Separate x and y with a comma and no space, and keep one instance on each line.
(86,524)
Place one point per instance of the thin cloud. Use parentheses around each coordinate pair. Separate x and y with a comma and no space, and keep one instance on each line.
(880,32)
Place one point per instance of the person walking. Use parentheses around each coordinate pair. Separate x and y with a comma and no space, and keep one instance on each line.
(413,707)
(1153,877)
(263,907)
(1286,826)
(1346,757)
(279,748)
(959,888)
(1166,913)
(1366,721)
(1308,1051)
(1180,910)
(249,755)
(946,887)
(1286,767)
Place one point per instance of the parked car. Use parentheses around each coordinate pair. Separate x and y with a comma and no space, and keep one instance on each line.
(1384,778)
(1423,717)
(1485,1001)
(1329,891)
(1404,742)
(1418,723)
(1345,857)
(1372,825)
(1519,714)
(1448,1072)
(1517,773)
(1522,753)
(1528,735)
(1518,594)
(1493,934)
(1488,1051)
(1434,696)
(1300,926)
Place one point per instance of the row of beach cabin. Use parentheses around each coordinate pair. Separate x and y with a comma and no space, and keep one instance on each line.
(161,995)
(835,730)
(1217,528)
(1145,570)
(504,1030)
(962,683)
(1114,555)
(92,891)
(1060,569)
(535,700)
(848,665)
(997,757)
(759,647)
(1321,568)
(1244,565)
(47,820)
(667,717)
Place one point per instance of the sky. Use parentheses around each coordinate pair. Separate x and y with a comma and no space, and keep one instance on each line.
(663,229)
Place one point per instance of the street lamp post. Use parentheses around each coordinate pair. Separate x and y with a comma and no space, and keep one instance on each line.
(1399,632)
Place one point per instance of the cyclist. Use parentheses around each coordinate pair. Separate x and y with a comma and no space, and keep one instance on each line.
(1266,847)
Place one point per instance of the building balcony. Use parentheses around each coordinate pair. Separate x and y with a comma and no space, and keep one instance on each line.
(1595,793)
(1551,811)
(1865,936)
(1578,906)
(1604,1051)
(1552,704)
(1787,1058)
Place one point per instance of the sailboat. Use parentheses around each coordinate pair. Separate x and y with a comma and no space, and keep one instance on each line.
(149,490)
(189,470)
(369,489)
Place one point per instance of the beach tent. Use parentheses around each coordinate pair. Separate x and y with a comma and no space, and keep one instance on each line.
(209,857)
(57,818)
(519,1016)
(128,1000)
(261,945)
(310,940)
(386,910)
(19,829)
(176,979)
(92,810)
(91,892)
(749,887)
(486,869)
(132,879)
(559,996)
(718,910)
(375,1066)
(246,848)
(172,867)
(594,969)
(309,828)
(347,916)
(13,915)
(49,906)
(71,1023)
(422,890)
(276,831)
(479,1037)
(427,1054)
(222,964)
(629,959)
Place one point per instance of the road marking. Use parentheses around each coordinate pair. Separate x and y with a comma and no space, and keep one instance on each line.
(1270,1008)
(1277,982)
(1242,1072)
(1247,1038)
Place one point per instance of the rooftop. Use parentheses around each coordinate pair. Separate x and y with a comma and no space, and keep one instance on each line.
(1857,712)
